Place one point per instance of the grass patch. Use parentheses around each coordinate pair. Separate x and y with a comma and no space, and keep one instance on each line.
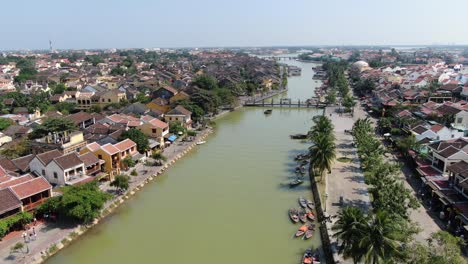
(344,159)
(65,241)
(53,249)
(73,235)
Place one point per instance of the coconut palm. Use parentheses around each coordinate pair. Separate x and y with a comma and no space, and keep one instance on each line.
(380,239)
(322,154)
(349,225)
(322,126)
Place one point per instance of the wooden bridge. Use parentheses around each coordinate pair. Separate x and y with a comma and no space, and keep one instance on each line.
(285,102)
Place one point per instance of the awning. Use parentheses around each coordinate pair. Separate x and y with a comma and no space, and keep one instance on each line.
(153,143)
(172,138)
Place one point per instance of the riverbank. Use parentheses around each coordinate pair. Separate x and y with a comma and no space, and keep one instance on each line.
(53,237)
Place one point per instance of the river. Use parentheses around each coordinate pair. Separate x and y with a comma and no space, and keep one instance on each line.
(225,202)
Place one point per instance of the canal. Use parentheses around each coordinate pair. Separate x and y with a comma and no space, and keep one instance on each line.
(226,201)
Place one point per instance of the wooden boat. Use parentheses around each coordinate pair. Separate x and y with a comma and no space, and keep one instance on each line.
(303,217)
(310,215)
(293,215)
(201,142)
(310,232)
(316,257)
(295,183)
(301,231)
(302,202)
(310,204)
(299,136)
(307,258)
(267,112)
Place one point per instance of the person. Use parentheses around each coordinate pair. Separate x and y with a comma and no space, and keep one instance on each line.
(34,230)
(35,221)
(35,236)
(24,236)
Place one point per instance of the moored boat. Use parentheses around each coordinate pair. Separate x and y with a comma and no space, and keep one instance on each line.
(201,142)
(301,231)
(307,258)
(302,202)
(268,111)
(293,215)
(303,217)
(310,204)
(310,215)
(295,183)
(309,233)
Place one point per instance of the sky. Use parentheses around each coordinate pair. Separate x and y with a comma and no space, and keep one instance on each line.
(91,24)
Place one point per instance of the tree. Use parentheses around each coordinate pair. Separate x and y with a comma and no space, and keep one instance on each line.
(5,123)
(17,150)
(95,109)
(348,227)
(442,248)
(206,82)
(407,143)
(379,239)
(65,107)
(59,88)
(159,156)
(322,153)
(82,203)
(331,97)
(138,137)
(176,127)
(348,103)
(121,182)
(385,124)
(51,125)
(128,162)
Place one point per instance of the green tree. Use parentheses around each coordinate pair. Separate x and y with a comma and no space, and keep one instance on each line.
(322,154)
(128,162)
(206,82)
(59,88)
(348,231)
(65,107)
(121,182)
(176,127)
(82,203)
(408,143)
(95,109)
(331,97)
(5,123)
(138,137)
(385,124)
(349,103)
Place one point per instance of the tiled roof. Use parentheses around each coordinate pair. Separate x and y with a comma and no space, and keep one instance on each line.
(7,164)
(93,146)
(419,129)
(447,152)
(179,110)
(110,149)
(9,201)
(89,159)
(158,123)
(170,89)
(458,167)
(68,161)
(79,117)
(125,144)
(437,127)
(48,156)
(31,187)
(16,180)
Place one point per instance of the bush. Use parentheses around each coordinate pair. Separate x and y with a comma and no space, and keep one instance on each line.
(20,219)
(134,173)
(191,133)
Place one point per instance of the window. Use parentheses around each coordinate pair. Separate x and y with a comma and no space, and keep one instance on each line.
(153,130)
(100,156)
(109,100)
(102,100)
(43,172)
(459,120)
(55,175)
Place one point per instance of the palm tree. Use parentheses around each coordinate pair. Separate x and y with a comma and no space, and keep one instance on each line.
(380,239)
(323,125)
(322,154)
(348,227)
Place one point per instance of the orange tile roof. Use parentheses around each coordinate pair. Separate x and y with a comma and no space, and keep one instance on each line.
(110,149)
(93,146)
(125,144)
(16,180)
(31,187)
(158,123)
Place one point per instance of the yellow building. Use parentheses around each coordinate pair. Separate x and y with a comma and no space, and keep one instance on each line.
(113,155)
(180,114)
(159,105)
(154,128)
(179,96)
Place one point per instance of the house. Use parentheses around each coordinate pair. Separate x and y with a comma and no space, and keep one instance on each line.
(154,128)
(82,119)
(444,153)
(64,141)
(159,105)
(179,96)
(112,155)
(28,190)
(136,108)
(435,132)
(165,92)
(4,139)
(180,114)
(64,169)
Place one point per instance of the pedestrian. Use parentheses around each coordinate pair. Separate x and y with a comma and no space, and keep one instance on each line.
(34,230)
(24,236)
(30,236)
(35,236)
(35,221)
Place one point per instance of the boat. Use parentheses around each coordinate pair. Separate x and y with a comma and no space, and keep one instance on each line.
(301,231)
(267,112)
(201,142)
(303,217)
(310,215)
(295,183)
(303,202)
(310,204)
(310,231)
(293,215)
(299,136)
(307,258)
(316,257)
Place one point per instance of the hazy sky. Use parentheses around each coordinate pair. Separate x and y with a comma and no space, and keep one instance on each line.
(200,23)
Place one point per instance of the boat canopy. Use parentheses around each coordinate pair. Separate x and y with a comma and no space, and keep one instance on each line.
(172,138)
